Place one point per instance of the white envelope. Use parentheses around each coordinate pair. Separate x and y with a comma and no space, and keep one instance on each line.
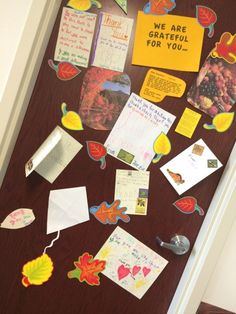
(67,208)
(191,166)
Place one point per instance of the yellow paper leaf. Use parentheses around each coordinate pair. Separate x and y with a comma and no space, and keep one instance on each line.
(221,122)
(162,145)
(71,120)
(37,271)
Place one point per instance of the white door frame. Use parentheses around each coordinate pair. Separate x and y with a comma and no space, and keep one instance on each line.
(13,106)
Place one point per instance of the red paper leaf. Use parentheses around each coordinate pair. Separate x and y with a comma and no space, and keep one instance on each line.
(186,204)
(87,269)
(65,70)
(206,18)
(226,48)
(96,150)
(160,7)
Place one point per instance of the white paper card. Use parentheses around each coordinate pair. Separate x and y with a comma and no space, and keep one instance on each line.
(112,42)
(53,155)
(191,166)
(131,188)
(132,137)
(75,37)
(129,263)
(67,208)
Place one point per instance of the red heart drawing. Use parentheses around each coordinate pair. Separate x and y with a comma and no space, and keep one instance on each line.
(135,270)
(146,271)
(123,272)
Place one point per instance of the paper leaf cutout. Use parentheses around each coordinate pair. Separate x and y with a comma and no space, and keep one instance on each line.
(206,18)
(225,48)
(87,269)
(161,147)
(187,205)
(70,119)
(19,218)
(109,214)
(97,152)
(159,7)
(37,271)
(221,122)
(83,5)
(122,272)
(122,4)
(65,70)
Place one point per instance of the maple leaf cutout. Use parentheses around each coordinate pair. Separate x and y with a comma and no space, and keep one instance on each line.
(110,214)
(162,6)
(226,48)
(87,269)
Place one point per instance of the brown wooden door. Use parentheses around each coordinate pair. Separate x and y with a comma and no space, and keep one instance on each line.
(60,295)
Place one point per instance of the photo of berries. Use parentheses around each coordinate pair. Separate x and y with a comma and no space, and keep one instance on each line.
(215,88)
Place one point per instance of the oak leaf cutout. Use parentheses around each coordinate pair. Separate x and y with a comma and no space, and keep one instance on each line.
(110,214)
(159,7)
(87,269)
(226,48)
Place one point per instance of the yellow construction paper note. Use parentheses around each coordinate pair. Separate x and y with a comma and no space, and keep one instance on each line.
(158,84)
(168,41)
(188,122)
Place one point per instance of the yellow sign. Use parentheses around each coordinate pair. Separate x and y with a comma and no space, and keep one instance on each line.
(188,122)
(158,84)
(168,41)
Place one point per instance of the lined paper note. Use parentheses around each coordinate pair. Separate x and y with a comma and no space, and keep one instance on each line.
(112,42)
(75,37)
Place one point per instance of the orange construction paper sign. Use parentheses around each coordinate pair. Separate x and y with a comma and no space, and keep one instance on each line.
(168,41)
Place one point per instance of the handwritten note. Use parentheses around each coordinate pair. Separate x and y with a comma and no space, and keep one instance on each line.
(131,189)
(129,263)
(75,37)
(168,41)
(19,218)
(112,42)
(188,122)
(132,137)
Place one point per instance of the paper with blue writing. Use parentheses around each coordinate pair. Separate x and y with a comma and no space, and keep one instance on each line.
(75,37)
(112,42)
(130,263)
(132,137)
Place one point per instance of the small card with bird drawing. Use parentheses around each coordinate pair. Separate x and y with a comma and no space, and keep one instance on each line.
(131,188)
(130,263)
(53,156)
(190,167)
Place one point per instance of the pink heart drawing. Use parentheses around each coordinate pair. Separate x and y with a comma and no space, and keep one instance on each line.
(146,271)
(135,270)
(123,272)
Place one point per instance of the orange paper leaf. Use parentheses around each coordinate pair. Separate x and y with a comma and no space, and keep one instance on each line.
(87,269)
(160,7)
(226,48)
(206,18)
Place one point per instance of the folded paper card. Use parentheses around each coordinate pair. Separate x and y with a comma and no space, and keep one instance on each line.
(53,155)
(188,122)
(157,85)
(128,142)
(75,37)
(191,166)
(131,188)
(169,41)
(112,42)
(67,208)
(129,263)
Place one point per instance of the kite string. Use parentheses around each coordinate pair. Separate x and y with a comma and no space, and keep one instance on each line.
(52,242)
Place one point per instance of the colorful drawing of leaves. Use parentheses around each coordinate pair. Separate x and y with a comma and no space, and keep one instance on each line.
(221,122)
(110,214)
(206,18)
(65,70)
(97,152)
(225,48)
(188,205)
(37,271)
(87,269)
(161,146)
(160,7)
